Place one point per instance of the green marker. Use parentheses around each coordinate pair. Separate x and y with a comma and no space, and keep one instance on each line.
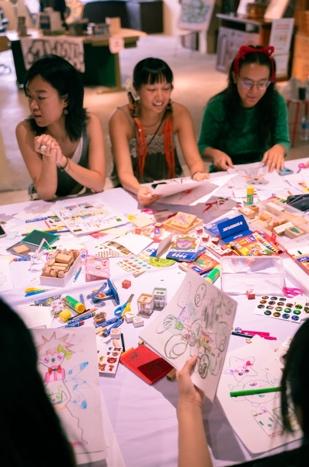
(213,275)
(252,392)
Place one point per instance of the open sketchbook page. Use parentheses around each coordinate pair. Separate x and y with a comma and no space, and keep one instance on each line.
(256,418)
(197,321)
(177,185)
(68,364)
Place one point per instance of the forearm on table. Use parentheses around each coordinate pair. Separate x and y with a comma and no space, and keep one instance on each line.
(46,183)
(193,448)
(129,182)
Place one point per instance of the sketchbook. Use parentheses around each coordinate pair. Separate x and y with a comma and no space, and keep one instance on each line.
(72,384)
(255,418)
(197,321)
(177,185)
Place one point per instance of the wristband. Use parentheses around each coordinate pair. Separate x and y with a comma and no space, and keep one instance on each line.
(195,173)
(63,168)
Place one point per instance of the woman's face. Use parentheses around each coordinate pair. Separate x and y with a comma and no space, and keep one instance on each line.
(155,97)
(45,104)
(252,83)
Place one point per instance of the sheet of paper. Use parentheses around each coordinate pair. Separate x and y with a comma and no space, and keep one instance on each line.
(197,321)
(134,242)
(72,384)
(190,195)
(176,185)
(256,418)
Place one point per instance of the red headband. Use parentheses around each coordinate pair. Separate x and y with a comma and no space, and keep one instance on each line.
(244,50)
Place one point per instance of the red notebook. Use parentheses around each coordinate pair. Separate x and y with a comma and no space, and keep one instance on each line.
(146,364)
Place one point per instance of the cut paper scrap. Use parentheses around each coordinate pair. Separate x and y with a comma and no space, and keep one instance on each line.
(255,418)
(73,387)
(133,242)
(197,321)
(35,316)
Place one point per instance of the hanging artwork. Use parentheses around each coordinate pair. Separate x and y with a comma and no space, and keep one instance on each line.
(195,15)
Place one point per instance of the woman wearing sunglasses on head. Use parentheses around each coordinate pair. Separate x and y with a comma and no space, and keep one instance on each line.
(247,121)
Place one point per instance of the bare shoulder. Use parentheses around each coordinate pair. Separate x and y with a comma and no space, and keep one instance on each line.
(180,113)
(121,114)
(23,127)
(92,119)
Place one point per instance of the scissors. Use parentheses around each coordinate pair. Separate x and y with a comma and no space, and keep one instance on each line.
(302,165)
(291,292)
(115,322)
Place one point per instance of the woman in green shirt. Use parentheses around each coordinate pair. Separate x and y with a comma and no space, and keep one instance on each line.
(247,121)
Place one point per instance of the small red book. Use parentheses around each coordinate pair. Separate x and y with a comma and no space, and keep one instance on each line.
(146,364)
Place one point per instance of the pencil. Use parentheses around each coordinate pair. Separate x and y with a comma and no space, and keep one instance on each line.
(252,392)
(122,342)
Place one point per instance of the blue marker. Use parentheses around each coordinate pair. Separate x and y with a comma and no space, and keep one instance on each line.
(75,324)
(82,317)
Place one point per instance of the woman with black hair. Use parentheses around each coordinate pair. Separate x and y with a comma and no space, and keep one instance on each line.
(62,145)
(31,432)
(247,121)
(193,449)
(143,132)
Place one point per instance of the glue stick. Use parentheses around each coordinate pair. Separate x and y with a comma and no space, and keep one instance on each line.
(74,304)
(250,195)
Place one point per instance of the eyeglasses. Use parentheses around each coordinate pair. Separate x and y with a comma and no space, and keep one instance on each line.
(249,84)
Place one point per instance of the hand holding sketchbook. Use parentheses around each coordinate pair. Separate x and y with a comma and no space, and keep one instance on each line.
(197,321)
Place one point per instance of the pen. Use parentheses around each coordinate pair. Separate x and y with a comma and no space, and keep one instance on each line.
(252,392)
(83,317)
(77,274)
(75,324)
(122,342)
(36,219)
(253,333)
(240,334)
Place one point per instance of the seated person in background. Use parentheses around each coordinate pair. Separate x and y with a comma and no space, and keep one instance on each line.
(193,448)
(62,145)
(247,121)
(143,132)
(31,434)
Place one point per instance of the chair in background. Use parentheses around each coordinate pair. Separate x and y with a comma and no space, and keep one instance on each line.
(97,11)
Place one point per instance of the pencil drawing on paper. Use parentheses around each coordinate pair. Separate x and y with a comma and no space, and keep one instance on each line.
(197,321)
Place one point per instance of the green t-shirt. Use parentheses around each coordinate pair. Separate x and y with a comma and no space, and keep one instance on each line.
(241,141)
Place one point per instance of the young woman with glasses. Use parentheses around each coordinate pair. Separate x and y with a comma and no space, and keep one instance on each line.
(247,121)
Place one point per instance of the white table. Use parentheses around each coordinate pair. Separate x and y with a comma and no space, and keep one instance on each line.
(144,417)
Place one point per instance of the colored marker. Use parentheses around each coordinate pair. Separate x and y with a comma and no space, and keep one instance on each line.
(253,333)
(75,324)
(74,304)
(252,392)
(36,219)
(213,275)
(77,319)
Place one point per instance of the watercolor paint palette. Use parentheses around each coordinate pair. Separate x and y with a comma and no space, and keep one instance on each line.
(293,310)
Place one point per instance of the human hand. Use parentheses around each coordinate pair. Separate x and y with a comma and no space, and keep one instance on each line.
(198,176)
(222,161)
(274,158)
(188,392)
(48,147)
(145,196)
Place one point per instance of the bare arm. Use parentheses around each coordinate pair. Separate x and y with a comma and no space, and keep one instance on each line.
(193,448)
(120,134)
(42,169)
(92,177)
(183,125)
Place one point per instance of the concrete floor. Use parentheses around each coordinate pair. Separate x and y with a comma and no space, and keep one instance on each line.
(196,80)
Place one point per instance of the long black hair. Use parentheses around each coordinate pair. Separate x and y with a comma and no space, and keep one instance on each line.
(31,433)
(295,381)
(266,107)
(67,81)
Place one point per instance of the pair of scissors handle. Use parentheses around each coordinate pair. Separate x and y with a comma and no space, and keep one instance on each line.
(120,310)
(116,324)
(291,292)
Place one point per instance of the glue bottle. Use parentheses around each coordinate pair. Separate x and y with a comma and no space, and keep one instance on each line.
(250,195)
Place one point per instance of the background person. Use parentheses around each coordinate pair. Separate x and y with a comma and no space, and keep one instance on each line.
(193,448)
(143,132)
(31,433)
(247,121)
(62,145)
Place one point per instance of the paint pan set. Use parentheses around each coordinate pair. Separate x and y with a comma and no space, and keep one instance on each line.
(283,308)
